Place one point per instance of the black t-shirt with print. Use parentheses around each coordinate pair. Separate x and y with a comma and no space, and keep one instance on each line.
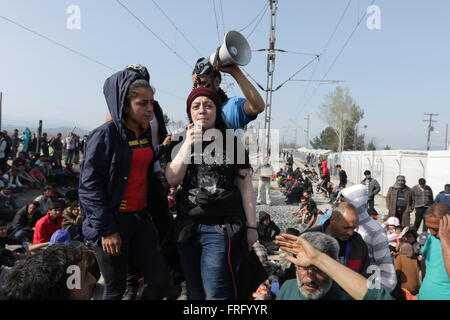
(212,172)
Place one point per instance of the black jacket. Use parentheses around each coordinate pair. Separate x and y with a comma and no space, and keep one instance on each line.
(21,221)
(107,162)
(342,178)
(268,234)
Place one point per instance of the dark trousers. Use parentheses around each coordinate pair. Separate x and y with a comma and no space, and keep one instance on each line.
(140,245)
(419,216)
(403,216)
(371,203)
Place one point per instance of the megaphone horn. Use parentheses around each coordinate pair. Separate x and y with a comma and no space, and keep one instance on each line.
(234,50)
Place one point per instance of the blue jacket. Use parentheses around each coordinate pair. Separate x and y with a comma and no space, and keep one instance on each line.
(443,197)
(107,162)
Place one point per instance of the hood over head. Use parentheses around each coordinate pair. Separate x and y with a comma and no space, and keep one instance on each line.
(115,90)
(263,215)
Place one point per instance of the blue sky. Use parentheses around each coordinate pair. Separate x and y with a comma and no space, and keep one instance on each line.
(395,74)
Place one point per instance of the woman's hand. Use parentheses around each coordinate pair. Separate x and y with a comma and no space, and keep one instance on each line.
(167,140)
(193,134)
(252,237)
(112,244)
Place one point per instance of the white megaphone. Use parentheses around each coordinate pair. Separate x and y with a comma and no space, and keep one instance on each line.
(234,50)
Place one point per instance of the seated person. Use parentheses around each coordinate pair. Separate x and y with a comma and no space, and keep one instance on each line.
(48,224)
(72,220)
(319,276)
(267,230)
(22,227)
(7,257)
(8,206)
(294,195)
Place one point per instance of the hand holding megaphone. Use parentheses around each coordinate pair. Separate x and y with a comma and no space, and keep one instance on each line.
(235,50)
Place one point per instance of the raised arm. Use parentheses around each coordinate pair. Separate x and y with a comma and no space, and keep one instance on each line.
(176,169)
(254,104)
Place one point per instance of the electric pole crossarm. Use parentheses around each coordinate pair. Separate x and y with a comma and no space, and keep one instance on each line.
(430,127)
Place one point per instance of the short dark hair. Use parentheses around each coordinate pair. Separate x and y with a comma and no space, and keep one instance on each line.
(438,210)
(367,172)
(3,223)
(36,204)
(43,276)
(47,188)
(447,186)
(55,205)
(338,166)
(422,181)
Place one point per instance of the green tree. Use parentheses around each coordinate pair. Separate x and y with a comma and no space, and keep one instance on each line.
(371,146)
(327,140)
(387,147)
(340,113)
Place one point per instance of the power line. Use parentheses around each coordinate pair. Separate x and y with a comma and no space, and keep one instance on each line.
(58,43)
(152,32)
(223,20)
(257,24)
(215,17)
(340,52)
(176,28)
(255,18)
(324,50)
(77,52)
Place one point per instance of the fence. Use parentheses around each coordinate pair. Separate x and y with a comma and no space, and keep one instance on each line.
(386,165)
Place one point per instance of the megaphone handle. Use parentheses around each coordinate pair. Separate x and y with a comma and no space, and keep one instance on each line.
(217,58)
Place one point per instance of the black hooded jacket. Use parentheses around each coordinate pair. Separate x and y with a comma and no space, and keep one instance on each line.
(268,234)
(106,166)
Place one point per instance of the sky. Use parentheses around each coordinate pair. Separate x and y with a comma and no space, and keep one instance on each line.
(394,74)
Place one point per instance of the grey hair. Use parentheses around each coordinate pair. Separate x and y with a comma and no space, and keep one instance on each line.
(322,242)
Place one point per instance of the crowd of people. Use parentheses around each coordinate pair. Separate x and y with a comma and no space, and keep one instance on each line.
(409,266)
(146,213)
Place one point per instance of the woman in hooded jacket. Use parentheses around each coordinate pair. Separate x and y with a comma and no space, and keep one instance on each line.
(114,188)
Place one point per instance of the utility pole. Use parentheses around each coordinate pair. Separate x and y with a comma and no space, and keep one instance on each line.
(307,131)
(270,70)
(430,127)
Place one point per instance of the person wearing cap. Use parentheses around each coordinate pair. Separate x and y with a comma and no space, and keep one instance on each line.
(115,194)
(399,201)
(237,112)
(374,235)
(372,186)
(48,224)
(436,254)
(60,236)
(423,199)
(215,202)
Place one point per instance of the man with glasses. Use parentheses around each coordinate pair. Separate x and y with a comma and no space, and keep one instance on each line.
(48,224)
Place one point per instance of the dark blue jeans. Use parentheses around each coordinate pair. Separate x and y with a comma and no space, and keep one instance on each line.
(205,264)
